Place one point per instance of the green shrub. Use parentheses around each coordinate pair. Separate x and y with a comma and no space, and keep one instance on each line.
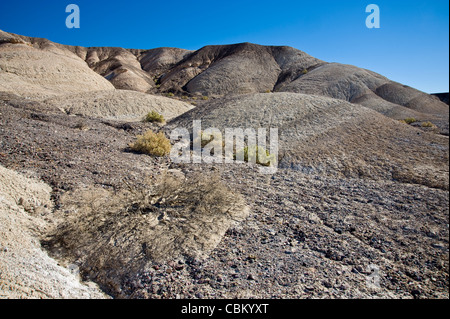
(205,98)
(154,117)
(152,144)
(410,120)
(255,151)
(170,94)
(305,71)
(428,124)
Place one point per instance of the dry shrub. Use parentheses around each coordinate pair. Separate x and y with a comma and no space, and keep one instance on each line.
(152,144)
(115,235)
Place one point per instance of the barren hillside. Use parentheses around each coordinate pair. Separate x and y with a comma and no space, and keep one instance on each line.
(237,69)
(319,135)
(46,71)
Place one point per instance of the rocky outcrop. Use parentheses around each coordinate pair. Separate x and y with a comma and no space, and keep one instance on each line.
(26,270)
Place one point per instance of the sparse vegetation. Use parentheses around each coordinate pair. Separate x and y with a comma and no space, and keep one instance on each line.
(152,144)
(256,150)
(354,189)
(410,120)
(114,234)
(428,125)
(305,71)
(204,140)
(154,117)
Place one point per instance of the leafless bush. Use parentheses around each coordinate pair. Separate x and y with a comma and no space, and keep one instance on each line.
(111,235)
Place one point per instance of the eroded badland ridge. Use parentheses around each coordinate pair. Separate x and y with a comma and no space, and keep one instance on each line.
(358,207)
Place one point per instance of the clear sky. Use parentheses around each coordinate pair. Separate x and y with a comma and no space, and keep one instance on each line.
(411,47)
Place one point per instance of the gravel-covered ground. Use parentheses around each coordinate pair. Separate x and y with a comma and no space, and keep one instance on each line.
(307,236)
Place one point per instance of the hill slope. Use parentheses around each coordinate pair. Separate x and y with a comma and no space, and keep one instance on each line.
(323,135)
(44,69)
(118,105)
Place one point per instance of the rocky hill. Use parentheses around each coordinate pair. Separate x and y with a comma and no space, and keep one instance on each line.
(231,69)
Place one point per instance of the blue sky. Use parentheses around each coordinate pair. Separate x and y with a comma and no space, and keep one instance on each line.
(411,47)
